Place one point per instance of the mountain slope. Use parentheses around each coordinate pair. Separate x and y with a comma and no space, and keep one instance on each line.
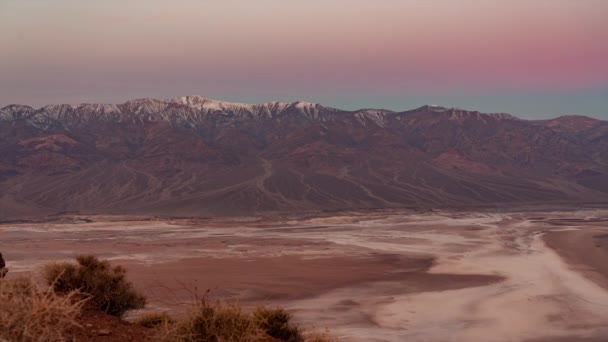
(194,156)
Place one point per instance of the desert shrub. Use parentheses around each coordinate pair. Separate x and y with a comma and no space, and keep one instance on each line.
(219,322)
(277,324)
(63,276)
(28,314)
(105,284)
(154,319)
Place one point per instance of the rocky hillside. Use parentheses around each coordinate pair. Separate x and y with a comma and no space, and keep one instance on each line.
(195,156)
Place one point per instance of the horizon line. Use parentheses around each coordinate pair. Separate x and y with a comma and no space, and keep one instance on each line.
(590,116)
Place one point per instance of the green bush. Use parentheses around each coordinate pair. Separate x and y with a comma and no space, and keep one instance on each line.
(277,324)
(105,284)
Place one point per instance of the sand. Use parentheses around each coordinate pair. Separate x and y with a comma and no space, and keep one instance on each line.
(374,276)
(586,251)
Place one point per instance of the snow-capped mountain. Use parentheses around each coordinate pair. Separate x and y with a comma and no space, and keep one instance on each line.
(194,111)
(195,156)
(189,110)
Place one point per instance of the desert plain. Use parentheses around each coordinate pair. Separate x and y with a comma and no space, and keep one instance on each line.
(388,275)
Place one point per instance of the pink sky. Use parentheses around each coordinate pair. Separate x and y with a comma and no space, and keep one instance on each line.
(336,51)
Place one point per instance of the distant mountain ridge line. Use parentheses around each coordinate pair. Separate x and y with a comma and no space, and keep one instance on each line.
(196,105)
(195,156)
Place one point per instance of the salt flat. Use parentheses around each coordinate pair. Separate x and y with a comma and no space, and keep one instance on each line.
(367,276)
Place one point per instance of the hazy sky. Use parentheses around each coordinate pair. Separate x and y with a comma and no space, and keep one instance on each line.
(532,58)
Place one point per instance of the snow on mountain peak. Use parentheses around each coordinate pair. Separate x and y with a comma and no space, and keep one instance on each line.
(194,111)
(199,102)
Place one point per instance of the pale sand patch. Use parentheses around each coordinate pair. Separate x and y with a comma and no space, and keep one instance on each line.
(585,250)
(540,298)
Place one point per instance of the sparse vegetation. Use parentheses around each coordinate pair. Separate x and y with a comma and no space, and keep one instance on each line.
(219,322)
(105,284)
(277,323)
(154,319)
(28,314)
(228,322)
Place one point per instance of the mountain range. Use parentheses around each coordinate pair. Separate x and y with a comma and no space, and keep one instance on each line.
(191,156)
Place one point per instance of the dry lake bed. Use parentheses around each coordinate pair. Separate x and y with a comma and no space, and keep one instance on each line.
(366,276)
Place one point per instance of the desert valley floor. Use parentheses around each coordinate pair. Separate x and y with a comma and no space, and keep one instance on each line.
(366,276)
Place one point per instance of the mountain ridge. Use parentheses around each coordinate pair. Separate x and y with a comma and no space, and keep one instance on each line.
(195,156)
(207,106)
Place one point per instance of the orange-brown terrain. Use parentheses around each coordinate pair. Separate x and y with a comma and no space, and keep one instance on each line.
(192,156)
(367,276)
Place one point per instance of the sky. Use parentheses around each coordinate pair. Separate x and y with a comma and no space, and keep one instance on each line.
(531,58)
